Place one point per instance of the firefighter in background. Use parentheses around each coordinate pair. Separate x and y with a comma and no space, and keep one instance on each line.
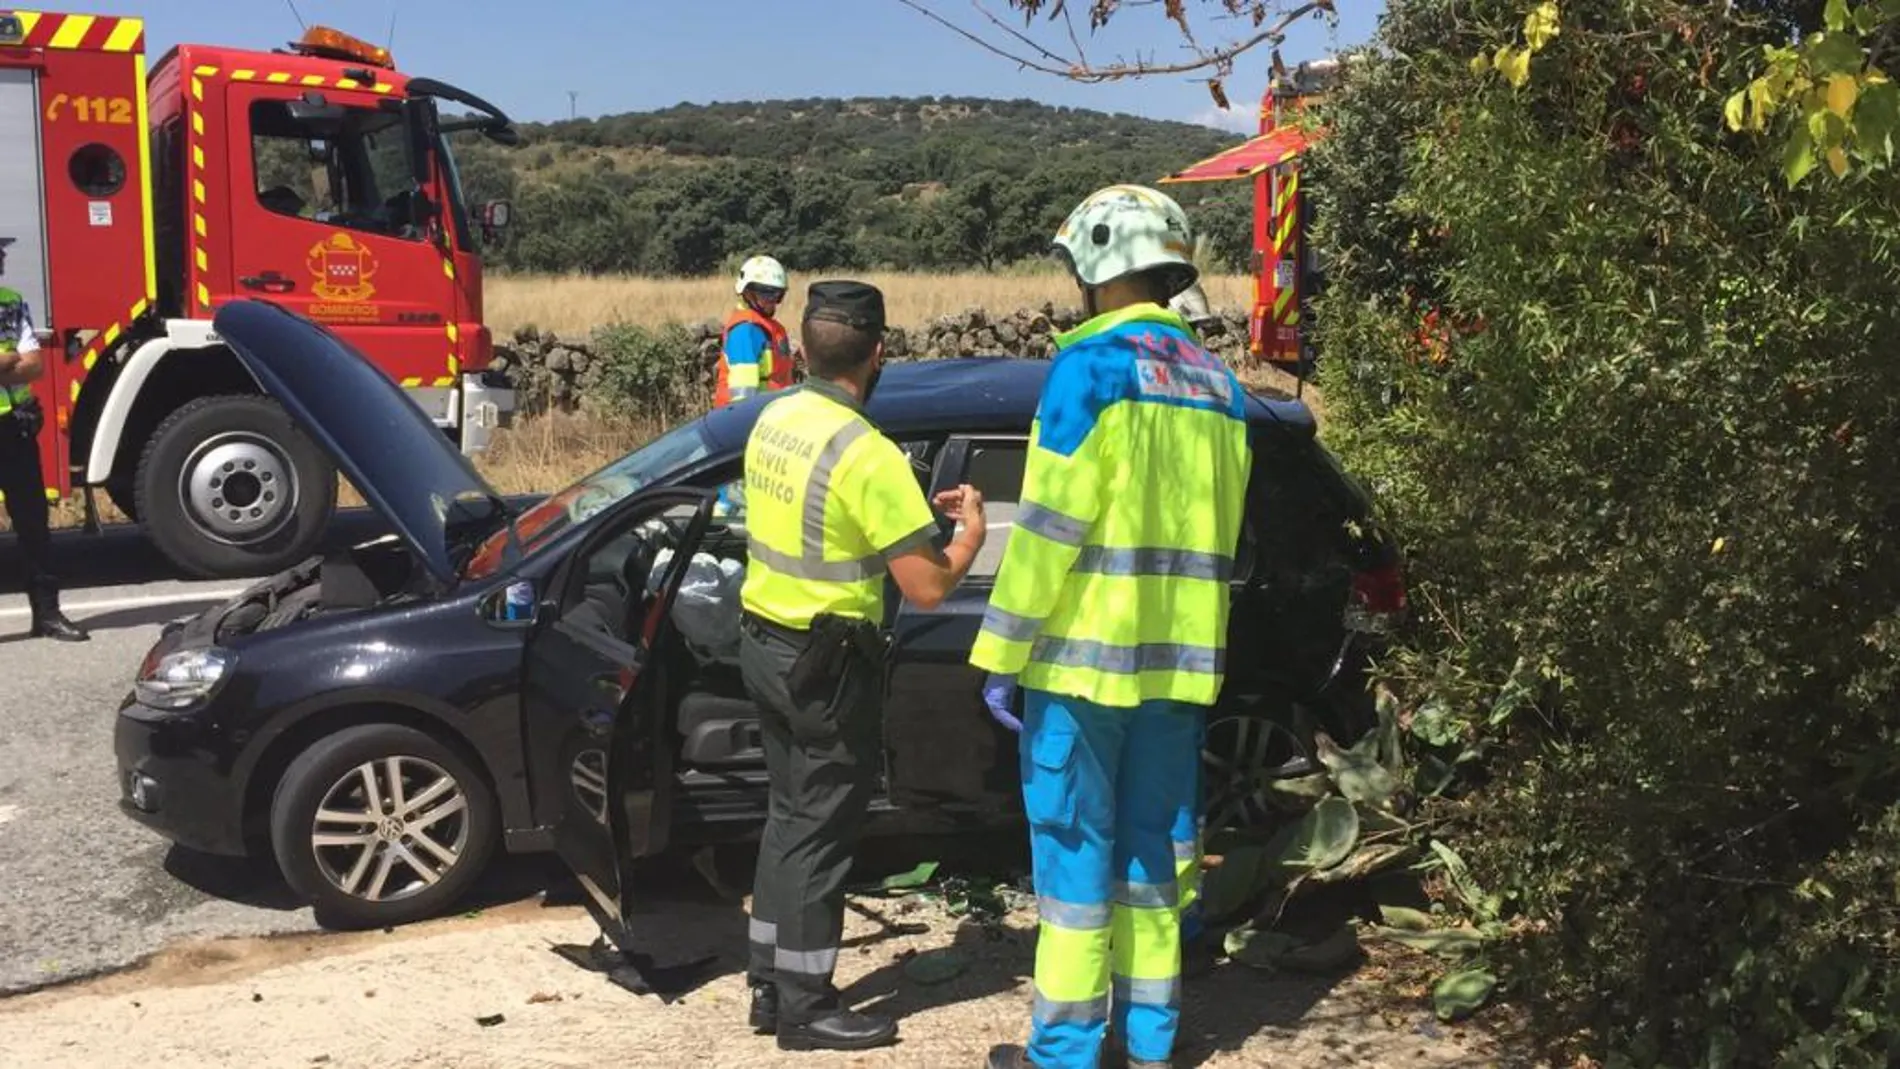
(835,507)
(21,477)
(1111,607)
(754,351)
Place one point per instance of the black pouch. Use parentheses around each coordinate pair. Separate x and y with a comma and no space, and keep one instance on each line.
(818,666)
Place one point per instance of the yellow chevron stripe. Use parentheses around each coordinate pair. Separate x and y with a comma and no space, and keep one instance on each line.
(450,381)
(448,268)
(348,83)
(455,367)
(412,382)
(91,358)
(198,93)
(204,295)
(314,79)
(198,224)
(111,335)
(198,156)
(383,87)
(52,495)
(278,78)
(204,262)
(1293,318)
(138,310)
(453,332)
(124,35)
(1286,232)
(28,21)
(204,72)
(243,74)
(72,31)
(75,401)
(1280,302)
(198,190)
(198,123)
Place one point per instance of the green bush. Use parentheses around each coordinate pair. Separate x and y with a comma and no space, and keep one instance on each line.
(646,373)
(1646,471)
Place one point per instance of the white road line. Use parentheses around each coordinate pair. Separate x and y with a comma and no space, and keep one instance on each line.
(76,609)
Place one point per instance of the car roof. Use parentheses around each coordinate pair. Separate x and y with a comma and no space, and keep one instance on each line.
(966,394)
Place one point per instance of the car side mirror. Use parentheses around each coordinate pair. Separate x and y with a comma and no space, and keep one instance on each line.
(514,605)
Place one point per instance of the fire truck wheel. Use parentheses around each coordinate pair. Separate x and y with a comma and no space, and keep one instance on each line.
(228,487)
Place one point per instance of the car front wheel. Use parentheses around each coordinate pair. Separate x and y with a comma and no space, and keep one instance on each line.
(380,825)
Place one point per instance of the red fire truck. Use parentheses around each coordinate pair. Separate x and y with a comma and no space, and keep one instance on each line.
(1286,273)
(316,176)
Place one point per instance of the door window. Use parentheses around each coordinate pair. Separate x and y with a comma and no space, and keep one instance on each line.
(995,468)
(342,166)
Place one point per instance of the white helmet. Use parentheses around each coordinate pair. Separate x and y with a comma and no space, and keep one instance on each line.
(1122,229)
(761,271)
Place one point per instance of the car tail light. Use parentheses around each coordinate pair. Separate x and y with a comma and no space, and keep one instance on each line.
(1378,595)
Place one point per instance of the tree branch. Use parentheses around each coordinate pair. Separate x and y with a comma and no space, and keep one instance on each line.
(1078,68)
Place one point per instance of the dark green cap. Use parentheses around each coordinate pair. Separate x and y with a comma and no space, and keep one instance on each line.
(857,304)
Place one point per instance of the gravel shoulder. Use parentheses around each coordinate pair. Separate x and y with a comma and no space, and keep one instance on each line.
(419,996)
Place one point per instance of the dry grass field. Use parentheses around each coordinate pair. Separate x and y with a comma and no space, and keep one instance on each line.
(543,454)
(574,304)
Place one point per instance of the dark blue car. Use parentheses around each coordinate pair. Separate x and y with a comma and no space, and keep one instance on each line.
(383,718)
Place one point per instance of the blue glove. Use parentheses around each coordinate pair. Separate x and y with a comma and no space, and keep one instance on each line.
(997,692)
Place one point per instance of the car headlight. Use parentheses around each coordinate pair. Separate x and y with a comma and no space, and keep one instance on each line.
(182,678)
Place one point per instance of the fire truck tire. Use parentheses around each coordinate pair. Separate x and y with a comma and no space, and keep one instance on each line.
(228,487)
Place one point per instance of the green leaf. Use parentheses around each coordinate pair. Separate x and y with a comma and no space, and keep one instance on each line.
(1835,16)
(1405,919)
(1325,836)
(1797,159)
(1360,776)
(1460,994)
(1836,53)
(1455,944)
(1258,949)
(1541,25)
(909,881)
(1877,119)
(937,966)
(1229,885)
(1733,111)
(1301,793)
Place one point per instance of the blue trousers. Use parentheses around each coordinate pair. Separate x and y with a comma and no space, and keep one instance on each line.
(1104,790)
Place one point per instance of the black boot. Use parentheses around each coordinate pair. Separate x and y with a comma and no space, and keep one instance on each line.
(764,1015)
(838,1030)
(48,621)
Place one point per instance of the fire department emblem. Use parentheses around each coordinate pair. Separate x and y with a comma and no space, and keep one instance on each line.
(343,267)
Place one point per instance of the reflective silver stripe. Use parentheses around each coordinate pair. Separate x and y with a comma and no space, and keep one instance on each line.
(1089,1011)
(1126,660)
(1075,916)
(831,571)
(1185,851)
(806,962)
(1165,992)
(1008,626)
(818,488)
(1152,560)
(1147,895)
(1050,524)
(764,933)
(920,537)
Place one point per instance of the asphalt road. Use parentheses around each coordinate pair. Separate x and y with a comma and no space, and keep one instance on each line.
(82,887)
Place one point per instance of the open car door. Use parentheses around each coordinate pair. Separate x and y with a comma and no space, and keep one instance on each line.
(600,758)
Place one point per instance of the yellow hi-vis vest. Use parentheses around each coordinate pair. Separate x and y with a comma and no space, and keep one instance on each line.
(1114,585)
(12,307)
(829,501)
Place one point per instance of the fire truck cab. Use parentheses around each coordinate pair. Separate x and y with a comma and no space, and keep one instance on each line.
(314,176)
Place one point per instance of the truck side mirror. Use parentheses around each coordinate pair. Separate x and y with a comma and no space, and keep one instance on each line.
(497,214)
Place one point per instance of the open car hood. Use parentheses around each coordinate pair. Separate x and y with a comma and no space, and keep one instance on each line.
(403,465)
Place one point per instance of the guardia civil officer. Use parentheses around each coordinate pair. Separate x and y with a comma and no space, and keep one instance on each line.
(21,477)
(832,506)
(1111,606)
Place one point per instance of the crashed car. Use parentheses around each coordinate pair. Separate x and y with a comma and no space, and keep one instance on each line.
(563,676)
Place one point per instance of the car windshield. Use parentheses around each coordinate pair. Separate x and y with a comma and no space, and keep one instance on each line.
(663,456)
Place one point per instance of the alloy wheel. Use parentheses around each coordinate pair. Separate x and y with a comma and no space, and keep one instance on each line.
(1240,757)
(389,828)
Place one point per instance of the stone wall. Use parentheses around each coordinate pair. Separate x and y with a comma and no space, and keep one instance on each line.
(553,372)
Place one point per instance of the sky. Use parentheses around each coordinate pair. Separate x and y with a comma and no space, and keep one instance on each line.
(637,55)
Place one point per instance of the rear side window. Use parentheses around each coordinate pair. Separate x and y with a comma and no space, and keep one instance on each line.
(996,470)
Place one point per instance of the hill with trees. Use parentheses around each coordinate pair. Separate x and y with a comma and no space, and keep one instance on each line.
(917,183)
